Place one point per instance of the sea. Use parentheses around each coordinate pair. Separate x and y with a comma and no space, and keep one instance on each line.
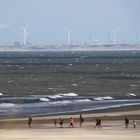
(41,83)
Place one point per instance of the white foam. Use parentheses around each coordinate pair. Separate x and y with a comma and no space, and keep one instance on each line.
(130,94)
(133,85)
(1,94)
(103,98)
(61,102)
(70,94)
(21,67)
(83,100)
(55,96)
(62,95)
(107,98)
(6,105)
(98,99)
(44,99)
(74,85)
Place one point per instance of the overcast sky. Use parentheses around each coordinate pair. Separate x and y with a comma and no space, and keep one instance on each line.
(47,20)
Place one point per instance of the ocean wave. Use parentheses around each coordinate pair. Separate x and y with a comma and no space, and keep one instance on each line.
(6,105)
(69,94)
(127,104)
(1,94)
(61,95)
(61,102)
(111,106)
(55,96)
(130,94)
(98,99)
(44,99)
(82,100)
(107,98)
(103,98)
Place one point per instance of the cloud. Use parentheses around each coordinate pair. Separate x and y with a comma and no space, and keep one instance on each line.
(7,25)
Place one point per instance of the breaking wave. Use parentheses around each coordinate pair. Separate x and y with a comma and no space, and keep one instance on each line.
(44,99)
(55,96)
(70,94)
(61,95)
(6,105)
(82,100)
(61,102)
(103,98)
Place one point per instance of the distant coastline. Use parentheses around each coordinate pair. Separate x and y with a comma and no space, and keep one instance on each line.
(102,47)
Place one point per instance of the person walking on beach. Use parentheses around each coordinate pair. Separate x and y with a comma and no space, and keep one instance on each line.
(126,120)
(71,122)
(98,123)
(55,122)
(81,121)
(29,121)
(134,123)
(61,122)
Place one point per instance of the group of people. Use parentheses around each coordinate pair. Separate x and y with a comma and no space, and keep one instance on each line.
(61,122)
(81,120)
(71,122)
(126,120)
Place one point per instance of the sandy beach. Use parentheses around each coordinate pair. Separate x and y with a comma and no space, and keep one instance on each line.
(43,128)
(111,131)
(108,133)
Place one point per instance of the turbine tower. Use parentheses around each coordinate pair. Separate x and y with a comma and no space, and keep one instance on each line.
(115,35)
(25,33)
(69,36)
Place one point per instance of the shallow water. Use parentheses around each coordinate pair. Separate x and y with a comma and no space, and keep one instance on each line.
(61,103)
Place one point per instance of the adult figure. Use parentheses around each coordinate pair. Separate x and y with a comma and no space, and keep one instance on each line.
(126,120)
(81,121)
(61,122)
(30,121)
(55,122)
(71,122)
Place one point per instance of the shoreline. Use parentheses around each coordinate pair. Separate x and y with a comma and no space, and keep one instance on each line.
(98,48)
(90,111)
(133,113)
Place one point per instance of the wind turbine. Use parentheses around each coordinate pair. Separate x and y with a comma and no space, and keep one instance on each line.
(69,36)
(25,33)
(115,35)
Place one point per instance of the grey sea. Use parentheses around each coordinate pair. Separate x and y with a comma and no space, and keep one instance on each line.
(45,82)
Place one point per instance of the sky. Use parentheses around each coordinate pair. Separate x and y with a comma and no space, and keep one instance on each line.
(47,21)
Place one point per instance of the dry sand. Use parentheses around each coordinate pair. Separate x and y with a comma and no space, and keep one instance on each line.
(17,129)
(111,131)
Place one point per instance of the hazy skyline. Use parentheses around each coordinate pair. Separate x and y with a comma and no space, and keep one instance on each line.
(47,20)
